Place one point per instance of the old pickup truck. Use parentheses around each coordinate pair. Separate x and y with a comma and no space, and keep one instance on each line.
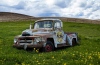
(45,34)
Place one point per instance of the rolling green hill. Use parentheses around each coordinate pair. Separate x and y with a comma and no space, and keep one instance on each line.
(87,53)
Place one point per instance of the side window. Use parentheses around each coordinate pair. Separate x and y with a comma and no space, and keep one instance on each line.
(57,25)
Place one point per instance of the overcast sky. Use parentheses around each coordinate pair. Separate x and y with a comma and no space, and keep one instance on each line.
(89,9)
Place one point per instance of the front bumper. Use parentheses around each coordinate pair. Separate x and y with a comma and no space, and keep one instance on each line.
(28,46)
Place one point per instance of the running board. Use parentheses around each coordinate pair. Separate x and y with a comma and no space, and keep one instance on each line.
(62,45)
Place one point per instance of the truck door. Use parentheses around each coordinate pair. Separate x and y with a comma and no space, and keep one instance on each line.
(59,33)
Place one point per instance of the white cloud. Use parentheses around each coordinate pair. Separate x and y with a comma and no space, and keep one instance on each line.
(62,3)
(67,8)
(9,2)
(49,3)
(83,9)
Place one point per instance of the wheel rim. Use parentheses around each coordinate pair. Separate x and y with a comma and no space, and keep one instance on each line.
(48,48)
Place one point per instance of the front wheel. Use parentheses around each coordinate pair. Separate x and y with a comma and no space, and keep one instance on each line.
(49,47)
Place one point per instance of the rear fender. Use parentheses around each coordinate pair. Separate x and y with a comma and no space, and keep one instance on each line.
(70,37)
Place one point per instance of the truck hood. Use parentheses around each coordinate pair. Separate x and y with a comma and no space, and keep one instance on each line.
(33,32)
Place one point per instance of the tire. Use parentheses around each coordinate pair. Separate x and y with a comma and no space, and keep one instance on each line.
(49,47)
(74,42)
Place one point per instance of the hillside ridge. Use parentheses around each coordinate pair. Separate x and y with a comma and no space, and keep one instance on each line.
(10,16)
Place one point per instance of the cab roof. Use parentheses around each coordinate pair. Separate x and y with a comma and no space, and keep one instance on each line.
(48,19)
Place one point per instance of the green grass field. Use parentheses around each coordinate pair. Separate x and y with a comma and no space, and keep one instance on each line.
(87,53)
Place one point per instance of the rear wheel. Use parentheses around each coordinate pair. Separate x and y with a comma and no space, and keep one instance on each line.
(49,47)
(74,42)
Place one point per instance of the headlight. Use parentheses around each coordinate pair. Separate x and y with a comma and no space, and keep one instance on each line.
(38,39)
(15,40)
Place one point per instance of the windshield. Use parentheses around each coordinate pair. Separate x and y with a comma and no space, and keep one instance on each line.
(43,24)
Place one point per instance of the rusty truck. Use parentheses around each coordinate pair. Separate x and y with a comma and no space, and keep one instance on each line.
(46,35)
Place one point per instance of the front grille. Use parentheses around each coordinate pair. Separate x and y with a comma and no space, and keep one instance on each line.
(25,40)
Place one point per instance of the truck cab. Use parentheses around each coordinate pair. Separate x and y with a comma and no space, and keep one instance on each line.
(45,34)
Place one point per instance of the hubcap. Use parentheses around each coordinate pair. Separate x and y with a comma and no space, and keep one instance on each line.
(48,48)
